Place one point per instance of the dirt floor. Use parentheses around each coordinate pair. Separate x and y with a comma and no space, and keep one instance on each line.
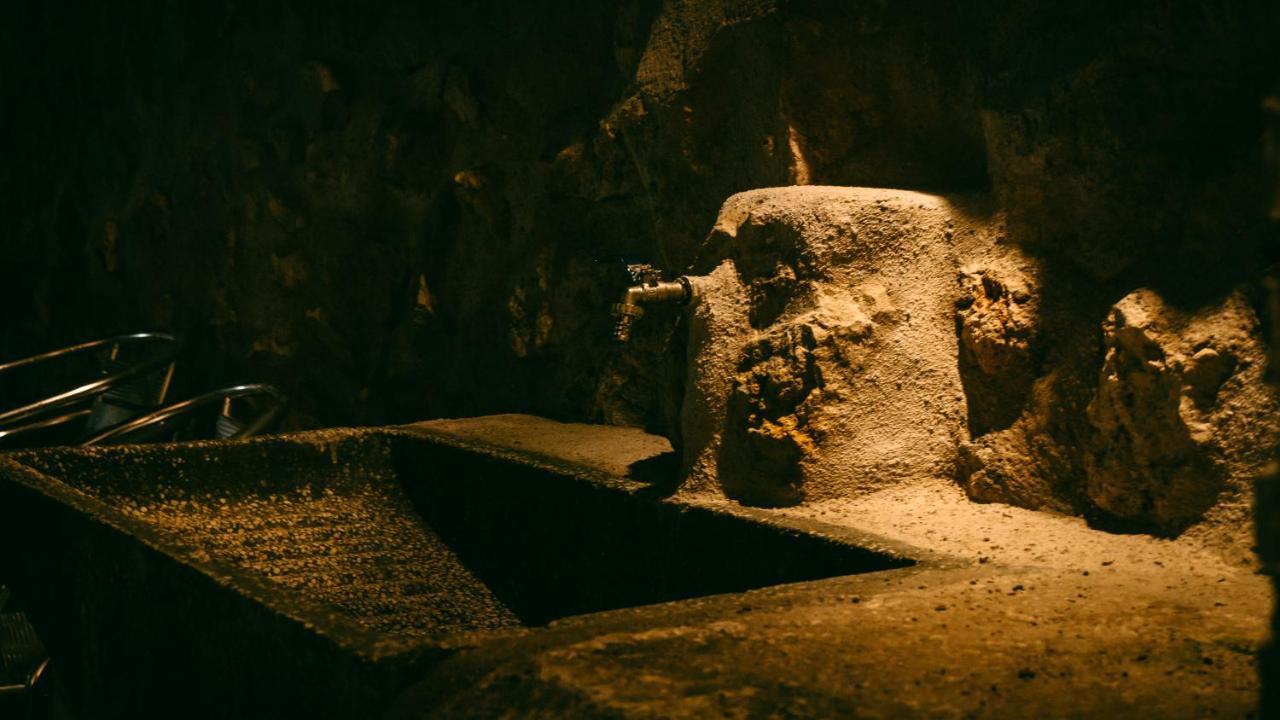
(1010,613)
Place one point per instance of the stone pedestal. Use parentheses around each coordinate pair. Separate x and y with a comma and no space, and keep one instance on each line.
(822,343)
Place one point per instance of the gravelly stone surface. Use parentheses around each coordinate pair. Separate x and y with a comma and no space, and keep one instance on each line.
(332,526)
(1037,615)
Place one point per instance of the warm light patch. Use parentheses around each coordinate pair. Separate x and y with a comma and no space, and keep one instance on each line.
(799,166)
(425,302)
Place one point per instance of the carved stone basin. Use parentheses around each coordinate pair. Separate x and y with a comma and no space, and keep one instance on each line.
(323,571)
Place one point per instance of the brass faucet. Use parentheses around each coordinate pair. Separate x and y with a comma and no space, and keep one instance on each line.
(649,288)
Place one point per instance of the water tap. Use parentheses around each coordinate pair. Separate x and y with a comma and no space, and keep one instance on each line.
(649,288)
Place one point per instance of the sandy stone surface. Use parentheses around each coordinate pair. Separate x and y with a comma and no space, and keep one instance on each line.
(577,443)
(1031,614)
(843,341)
(826,334)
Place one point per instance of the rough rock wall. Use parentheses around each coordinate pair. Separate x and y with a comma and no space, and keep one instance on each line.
(1148,414)
(1124,134)
(395,211)
(367,205)
(846,339)
(1267,497)
(822,357)
(1179,394)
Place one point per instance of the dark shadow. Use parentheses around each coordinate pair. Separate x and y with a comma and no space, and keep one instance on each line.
(660,472)
(550,545)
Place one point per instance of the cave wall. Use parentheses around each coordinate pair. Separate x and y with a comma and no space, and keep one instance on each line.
(362,205)
(398,212)
(822,342)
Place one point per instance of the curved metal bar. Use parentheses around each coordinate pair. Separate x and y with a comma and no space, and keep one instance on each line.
(88,390)
(45,423)
(37,673)
(186,406)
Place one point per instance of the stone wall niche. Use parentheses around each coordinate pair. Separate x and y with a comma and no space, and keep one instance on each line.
(822,343)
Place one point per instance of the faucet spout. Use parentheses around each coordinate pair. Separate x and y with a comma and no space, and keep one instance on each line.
(625,313)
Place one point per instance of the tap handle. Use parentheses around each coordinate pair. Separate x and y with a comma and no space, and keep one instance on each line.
(638,271)
(644,273)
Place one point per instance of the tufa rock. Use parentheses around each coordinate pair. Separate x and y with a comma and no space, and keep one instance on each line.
(996,325)
(822,347)
(1180,414)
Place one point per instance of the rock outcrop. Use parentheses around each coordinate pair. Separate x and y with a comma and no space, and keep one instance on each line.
(395,213)
(996,317)
(822,356)
(1180,415)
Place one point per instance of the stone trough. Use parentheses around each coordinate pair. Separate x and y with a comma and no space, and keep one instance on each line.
(321,573)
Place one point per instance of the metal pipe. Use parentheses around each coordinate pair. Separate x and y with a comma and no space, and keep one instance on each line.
(631,308)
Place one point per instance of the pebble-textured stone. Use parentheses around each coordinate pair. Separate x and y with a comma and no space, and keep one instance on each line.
(327,523)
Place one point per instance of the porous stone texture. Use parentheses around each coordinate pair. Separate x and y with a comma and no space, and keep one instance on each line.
(1029,369)
(847,339)
(395,212)
(717,318)
(1010,614)
(1022,409)
(1025,464)
(323,518)
(1180,413)
(822,346)
(996,322)
(1157,421)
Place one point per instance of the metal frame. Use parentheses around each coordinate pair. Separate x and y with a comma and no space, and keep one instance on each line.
(47,422)
(224,396)
(166,355)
